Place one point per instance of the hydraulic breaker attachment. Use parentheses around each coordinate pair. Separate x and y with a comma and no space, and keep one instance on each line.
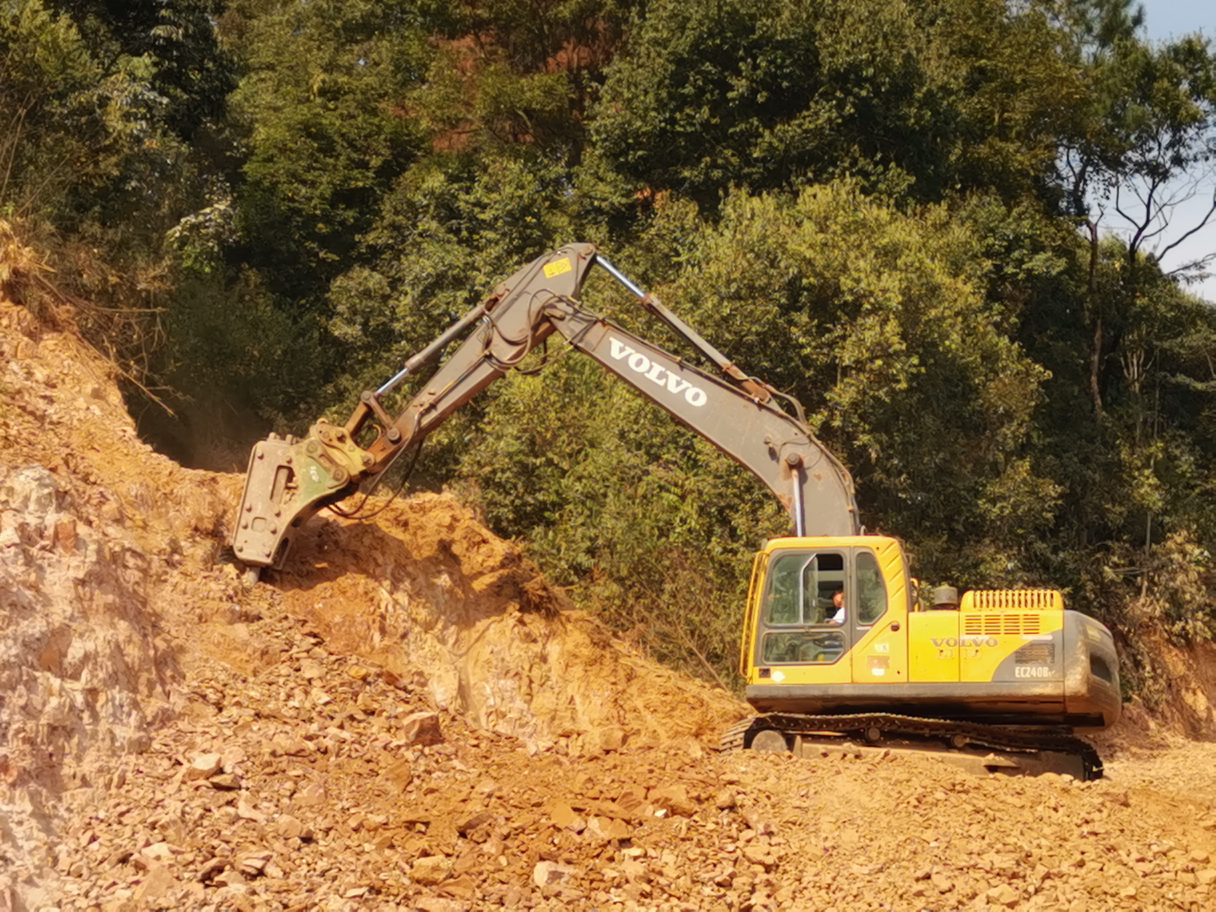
(288,481)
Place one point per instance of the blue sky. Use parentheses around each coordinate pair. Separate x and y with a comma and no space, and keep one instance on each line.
(1167,19)
(1172,19)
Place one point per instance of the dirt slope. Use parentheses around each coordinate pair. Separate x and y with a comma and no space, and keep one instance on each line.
(409,718)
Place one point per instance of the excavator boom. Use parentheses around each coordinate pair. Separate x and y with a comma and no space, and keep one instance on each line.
(289,480)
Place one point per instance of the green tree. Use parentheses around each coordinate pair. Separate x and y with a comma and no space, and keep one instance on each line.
(1148,138)
(923,98)
(872,205)
(906,370)
(92,161)
(189,71)
(875,319)
(321,104)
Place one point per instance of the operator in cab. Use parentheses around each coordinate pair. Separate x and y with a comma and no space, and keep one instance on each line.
(835,614)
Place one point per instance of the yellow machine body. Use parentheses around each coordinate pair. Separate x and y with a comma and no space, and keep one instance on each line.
(1001,657)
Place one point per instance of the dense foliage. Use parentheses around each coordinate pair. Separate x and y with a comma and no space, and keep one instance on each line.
(901,212)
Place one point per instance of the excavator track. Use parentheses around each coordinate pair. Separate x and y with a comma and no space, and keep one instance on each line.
(874,728)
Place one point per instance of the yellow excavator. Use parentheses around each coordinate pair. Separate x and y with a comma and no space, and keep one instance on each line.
(837,643)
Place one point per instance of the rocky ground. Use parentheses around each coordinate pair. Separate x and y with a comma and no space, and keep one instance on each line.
(409,718)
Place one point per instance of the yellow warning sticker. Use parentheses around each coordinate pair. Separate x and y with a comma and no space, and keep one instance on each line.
(557,267)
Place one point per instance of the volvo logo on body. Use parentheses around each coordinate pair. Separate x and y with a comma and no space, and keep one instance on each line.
(964,641)
(639,363)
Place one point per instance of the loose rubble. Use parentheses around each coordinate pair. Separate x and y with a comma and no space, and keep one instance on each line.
(276,791)
(409,718)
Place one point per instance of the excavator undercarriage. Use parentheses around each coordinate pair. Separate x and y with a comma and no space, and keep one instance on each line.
(976,747)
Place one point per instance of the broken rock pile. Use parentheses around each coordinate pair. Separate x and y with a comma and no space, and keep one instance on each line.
(324,782)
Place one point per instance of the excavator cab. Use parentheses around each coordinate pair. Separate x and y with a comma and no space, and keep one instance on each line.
(798,634)
(996,657)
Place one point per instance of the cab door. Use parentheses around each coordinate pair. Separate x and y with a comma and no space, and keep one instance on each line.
(801,639)
(877,604)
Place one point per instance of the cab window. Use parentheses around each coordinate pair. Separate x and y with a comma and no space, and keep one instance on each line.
(801,586)
(783,602)
(871,589)
(799,595)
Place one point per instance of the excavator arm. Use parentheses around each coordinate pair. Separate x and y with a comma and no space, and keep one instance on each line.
(289,480)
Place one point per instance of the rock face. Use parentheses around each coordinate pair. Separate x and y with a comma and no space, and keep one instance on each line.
(76,662)
(85,668)
(407,717)
(425,589)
